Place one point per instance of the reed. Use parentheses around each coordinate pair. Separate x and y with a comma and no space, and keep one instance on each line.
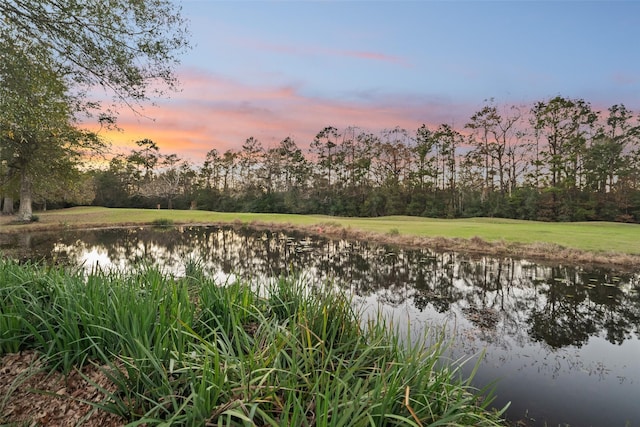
(190,352)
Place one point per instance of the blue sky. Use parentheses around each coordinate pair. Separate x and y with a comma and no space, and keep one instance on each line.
(289,68)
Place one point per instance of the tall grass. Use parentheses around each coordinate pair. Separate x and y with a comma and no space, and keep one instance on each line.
(187,351)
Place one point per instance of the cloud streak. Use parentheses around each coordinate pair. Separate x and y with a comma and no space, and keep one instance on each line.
(221,113)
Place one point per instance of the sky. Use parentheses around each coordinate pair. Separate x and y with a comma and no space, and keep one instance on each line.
(277,69)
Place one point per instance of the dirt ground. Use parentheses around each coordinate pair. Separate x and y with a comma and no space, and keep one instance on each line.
(30,396)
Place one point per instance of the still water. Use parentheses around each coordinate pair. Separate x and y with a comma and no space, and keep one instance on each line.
(563,343)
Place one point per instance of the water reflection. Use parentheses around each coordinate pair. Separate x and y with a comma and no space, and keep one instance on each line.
(563,341)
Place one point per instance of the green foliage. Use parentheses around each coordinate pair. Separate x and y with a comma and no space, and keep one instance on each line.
(40,142)
(162,222)
(187,351)
(570,164)
(123,46)
(52,53)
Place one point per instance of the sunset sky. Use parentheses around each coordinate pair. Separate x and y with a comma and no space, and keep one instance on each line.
(289,68)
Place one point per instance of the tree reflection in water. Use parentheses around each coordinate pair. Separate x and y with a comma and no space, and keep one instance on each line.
(510,306)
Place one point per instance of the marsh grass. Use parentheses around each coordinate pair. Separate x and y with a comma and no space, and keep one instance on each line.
(190,352)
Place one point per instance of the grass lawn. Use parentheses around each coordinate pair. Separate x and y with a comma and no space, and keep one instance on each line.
(588,236)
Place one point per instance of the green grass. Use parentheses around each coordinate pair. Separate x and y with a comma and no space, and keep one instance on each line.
(585,236)
(187,352)
(588,236)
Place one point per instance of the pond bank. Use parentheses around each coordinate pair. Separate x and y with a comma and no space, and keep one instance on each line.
(539,252)
(402,232)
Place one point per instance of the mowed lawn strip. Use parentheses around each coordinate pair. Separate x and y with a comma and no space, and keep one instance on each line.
(588,236)
(585,236)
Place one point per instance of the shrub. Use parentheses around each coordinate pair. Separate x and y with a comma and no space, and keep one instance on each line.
(394,232)
(162,222)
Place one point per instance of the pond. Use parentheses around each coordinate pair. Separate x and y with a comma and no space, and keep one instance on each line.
(562,342)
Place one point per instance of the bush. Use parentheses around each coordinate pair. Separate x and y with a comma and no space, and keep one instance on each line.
(162,222)
(394,232)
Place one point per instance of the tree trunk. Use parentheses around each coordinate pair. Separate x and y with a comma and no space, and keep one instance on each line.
(7,207)
(25,212)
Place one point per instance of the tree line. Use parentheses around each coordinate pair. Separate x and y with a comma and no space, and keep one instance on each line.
(558,160)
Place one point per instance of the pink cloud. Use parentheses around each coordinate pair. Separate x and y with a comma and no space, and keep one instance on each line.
(215,112)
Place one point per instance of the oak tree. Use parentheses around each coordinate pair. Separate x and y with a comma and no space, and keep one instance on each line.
(127,47)
(59,59)
(39,140)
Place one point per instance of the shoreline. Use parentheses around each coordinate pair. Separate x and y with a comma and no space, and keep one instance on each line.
(538,252)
